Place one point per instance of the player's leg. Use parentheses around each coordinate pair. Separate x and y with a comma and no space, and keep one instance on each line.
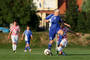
(50,44)
(13,43)
(25,50)
(59,31)
(28,46)
(51,37)
(59,39)
(61,46)
(16,41)
(58,42)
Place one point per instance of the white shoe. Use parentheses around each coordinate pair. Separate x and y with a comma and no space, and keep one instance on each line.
(25,50)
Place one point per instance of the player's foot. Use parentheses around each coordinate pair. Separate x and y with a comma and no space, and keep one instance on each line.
(14,51)
(51,54)
(63,54)
(25,50)
(30,50)
(59,53)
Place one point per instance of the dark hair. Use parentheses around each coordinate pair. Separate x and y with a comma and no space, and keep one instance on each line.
(27,25)
(15,21)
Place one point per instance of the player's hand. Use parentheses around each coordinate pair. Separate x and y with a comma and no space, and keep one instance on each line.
(8,37)
(46,21)
(69,26)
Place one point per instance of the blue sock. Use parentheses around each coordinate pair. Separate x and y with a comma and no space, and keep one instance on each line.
(25,48)
(60,39)
(28,47)
(49,46)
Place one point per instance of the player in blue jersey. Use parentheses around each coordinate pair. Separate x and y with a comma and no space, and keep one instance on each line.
(54,27)
(28,36)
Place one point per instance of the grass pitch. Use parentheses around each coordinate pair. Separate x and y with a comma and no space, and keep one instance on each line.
(37,54)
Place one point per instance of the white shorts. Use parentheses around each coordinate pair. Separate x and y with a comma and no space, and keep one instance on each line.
(14,38)
(64,42)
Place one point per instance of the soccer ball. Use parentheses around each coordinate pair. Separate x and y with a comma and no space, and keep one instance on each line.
(47,52)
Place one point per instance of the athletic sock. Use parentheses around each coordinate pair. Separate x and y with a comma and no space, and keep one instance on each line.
(15,46)
(25,48)
(49,46)
(60,39)
(60,49)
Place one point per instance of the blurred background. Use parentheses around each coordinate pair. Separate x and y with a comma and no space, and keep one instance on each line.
(33,12)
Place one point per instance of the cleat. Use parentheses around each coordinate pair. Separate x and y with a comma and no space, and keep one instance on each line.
(63,54)
(14,51)
(25,50)
(51,54)
(59,53)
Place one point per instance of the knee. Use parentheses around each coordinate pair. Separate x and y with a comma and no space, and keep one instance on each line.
(51,41)
(27,45)
(60,32)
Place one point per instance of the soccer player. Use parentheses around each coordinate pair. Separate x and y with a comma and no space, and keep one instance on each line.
(54,26)
(14,32)
(28,37)
(63,42)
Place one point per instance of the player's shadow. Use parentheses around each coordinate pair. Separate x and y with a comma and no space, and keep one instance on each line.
(78,54)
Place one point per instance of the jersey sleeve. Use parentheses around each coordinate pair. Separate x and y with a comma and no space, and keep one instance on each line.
(49,16)
(31,34)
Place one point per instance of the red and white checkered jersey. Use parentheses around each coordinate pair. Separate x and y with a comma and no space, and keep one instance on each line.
(14,29)
(65,30)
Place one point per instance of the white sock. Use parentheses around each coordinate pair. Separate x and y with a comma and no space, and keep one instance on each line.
(60,48)
(15,46)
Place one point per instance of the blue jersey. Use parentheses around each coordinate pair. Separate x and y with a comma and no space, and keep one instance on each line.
(28,35)
(54,21)
(54,25)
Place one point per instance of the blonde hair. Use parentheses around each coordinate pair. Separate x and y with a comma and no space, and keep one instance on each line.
(56,10)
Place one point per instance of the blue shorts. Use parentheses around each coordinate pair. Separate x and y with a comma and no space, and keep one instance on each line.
(53,32)
(27,42)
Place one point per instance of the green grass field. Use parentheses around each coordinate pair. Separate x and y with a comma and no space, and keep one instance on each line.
(37,54)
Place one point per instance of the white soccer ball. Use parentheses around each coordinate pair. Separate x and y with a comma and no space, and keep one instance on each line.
(47,52)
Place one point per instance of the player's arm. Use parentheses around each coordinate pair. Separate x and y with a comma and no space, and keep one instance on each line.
(9,34)
(31,37)
(22,36)
(67,25)
(77,34)
(48,17)
(71,32)
(18,31)
(63,22)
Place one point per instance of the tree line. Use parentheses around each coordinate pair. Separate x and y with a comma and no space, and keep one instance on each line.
(23,11)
